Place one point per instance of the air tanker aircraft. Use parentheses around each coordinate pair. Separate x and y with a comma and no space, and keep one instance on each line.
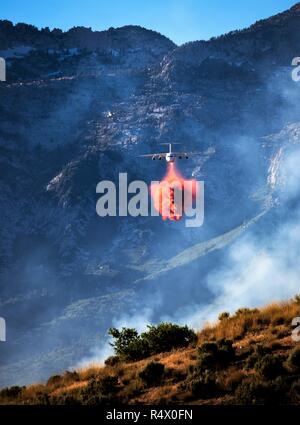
(170,156)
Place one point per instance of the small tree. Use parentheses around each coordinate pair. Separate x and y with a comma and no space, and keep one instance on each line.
(128,344)
(167,336)
(123,338)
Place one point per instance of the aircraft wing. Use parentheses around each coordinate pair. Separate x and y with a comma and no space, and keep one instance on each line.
(154,155)
(188,153)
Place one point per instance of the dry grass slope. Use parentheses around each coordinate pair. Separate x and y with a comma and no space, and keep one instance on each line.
(247,358)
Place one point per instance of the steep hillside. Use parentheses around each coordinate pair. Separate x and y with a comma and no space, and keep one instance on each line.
(247,358)
(81,106)
(33,53)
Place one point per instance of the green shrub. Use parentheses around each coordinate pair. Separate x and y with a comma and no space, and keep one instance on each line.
(280,320)
(203,385)
(249,392)
(67,377)
(215,355)
(112,360)
(94,400)
(108,384)
(246,311)
(270,366)
(64,399)
(129,345)
(152,373)
(167,336)
(226,351)
(233,380)
(54,380)
(206,361)
(223,316)
(208,347)
(262,321)
(259,392)
(12,392)
(295,391)
(177,375)
(70,377)
(41,399)
(294,359)
(100,391)
(257,353)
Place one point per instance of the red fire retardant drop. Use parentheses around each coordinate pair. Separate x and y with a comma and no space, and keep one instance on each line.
(163,194)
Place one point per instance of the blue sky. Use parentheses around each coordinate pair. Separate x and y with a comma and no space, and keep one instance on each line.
(180,20)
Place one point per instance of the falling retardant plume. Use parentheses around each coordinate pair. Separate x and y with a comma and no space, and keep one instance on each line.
(174,195)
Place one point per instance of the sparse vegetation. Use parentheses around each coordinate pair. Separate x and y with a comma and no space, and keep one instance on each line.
(260,392)
(245,358)
(294,359)
(215,355)
(204,385)
(112,360)
(152,374)
(269,367)
(223,316)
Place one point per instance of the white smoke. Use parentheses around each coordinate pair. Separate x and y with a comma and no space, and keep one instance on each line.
(259,270)
(103,349)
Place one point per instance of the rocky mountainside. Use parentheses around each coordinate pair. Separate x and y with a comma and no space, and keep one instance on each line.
(79,107)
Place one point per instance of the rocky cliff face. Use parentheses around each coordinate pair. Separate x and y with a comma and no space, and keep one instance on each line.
(79,107)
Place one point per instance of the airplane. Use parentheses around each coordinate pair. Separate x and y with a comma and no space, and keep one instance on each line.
(170,156)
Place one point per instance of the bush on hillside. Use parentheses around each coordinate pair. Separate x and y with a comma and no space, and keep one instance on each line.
(54,380)
(64,400)
(295,391)
(168,336)
(153,373)
(12,392)
(224,316)
(294,359)
(204,385)
(257,353)
(246,311)
(259,392)
(215,355)
(112,361)
(270,366)
(70,377)
(100,391)
(129,345)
